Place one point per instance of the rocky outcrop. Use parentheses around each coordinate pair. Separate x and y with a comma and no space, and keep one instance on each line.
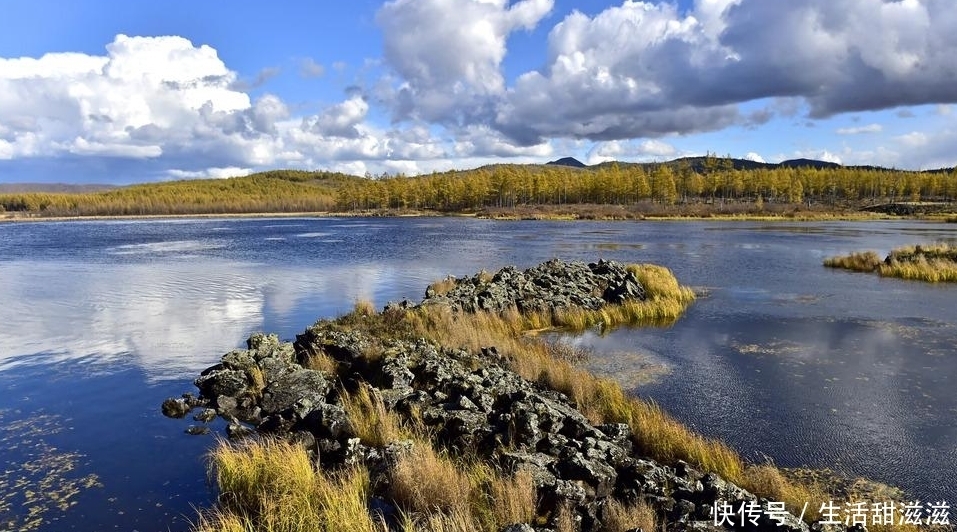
(549,286)
(471,404)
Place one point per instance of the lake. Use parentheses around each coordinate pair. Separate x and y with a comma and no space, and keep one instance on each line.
(780,357)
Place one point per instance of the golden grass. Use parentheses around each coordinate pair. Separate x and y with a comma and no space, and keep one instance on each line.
(448,494)
(769,481)
(440,288)
(921,269)
(934,264)
(370,420)
(620,517)
(320,361)
(867,261)
(364,307)
(513,500)
(423,481)
(272,486)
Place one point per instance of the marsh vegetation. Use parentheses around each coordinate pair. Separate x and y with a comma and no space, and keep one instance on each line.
(930,263)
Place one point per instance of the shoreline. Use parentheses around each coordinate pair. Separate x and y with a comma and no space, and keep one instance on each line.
(805,216)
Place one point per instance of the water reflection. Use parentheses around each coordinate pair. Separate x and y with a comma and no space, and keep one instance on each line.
(171,321)
(847,393)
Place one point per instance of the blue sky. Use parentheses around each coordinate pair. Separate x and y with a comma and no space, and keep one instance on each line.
(121,92)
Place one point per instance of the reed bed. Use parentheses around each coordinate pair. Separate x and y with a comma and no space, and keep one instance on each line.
(934,264)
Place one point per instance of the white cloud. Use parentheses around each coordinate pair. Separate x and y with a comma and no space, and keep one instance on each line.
(753,156)
(617,150)
(215,173)
(449,52)
(870,128)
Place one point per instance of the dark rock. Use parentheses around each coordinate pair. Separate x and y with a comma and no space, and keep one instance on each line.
(298,387)
(236,431)
(207,415)
(197,430)
(176,407)
(222,382)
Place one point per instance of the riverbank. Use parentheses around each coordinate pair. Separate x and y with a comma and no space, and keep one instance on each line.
(557,213)
(426,388)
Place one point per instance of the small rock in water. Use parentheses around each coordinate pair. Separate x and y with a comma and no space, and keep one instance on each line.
(176,407)
(207,415)
(197,430)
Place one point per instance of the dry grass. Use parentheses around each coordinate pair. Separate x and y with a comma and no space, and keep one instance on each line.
(620,517)
(770,482)
(867,261)
(447,494)
(921,269)
(935,264)
(424,481)
(256,380)
(364,307)
(440,288)
(320,361)
(272,486)
(369,418)
(513,500)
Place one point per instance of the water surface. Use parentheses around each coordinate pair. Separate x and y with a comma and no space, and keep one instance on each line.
(780,357)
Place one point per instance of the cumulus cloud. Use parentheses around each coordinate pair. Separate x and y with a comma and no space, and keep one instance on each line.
(448,53)
(163,107)
(644,69)
(754,156)
(147,96)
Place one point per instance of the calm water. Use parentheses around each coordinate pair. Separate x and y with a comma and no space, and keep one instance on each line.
(100,321)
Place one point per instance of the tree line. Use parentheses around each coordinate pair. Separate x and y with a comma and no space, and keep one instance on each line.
(500,186)
(275,191)
(621,184)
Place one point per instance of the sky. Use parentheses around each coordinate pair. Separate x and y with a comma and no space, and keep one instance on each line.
(119,92)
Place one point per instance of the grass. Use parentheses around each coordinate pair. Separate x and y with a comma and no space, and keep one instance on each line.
(619,517)
(934,264)
(371,422)
(867,261)
(440,288)
(272,486)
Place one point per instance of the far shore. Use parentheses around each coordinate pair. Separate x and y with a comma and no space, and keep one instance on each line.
(561,213)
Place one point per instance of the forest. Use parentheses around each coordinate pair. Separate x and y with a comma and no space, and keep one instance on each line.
(699,181)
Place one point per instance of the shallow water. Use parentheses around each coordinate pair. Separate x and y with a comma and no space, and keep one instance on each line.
(781,357)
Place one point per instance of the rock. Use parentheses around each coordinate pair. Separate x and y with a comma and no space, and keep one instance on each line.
(176,407)
(197,430)
(222,382)
(297,387)
(518,527)
(207,415)
(551,285)
(236,431)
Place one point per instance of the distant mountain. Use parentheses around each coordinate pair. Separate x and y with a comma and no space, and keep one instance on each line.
(568,161)
(807,163)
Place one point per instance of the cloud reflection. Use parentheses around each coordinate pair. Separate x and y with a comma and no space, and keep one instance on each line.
(172,319)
